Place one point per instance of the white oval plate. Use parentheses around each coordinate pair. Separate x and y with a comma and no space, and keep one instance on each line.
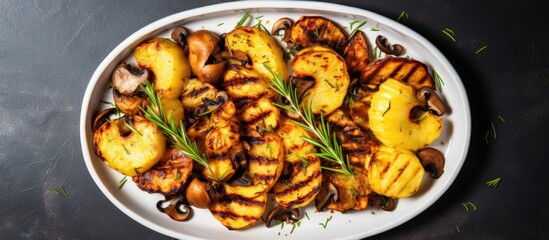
(221,18)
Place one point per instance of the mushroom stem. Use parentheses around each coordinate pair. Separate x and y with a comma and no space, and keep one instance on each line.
(279,213)
(281,24)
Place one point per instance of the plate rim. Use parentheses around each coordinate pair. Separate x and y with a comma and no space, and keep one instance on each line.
(247,5)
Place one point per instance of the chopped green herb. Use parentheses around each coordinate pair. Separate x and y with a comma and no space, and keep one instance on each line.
(177,175)
(491,133)
(220,24)
(403,14)
(481,49)
(501,118)
(450,33)
(457,228)
(373,29)
(356,29)
(242,20)
(438,81)
(55,191)
(122,182)
(307,216)
(493,183)
(324,225)
(298,223)
(469,204)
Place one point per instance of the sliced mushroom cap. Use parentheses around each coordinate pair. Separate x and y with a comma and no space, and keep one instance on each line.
(302,85)
(433,102)
(180,35)
(382,202)
(126,80)
(432,160)
(176,208)
(281,24)
(101,118)
(328,193)
(282,214)
(384,46)
(129,104)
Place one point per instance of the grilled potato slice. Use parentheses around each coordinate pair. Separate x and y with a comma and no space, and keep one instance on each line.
(395,173)
(406,70)
(356,53)
(313,30)
(168,176)
(301,179)
(358,108)
(261,48)
(129,152)
(264,167)
(393,117)
(329,71)
(168,62)
(260,115)
(357,145)
(236,212)
(242,83)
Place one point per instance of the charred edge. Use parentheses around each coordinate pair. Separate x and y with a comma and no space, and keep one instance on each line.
(371,73)
(233,198)
(235,81)
(301,199)
(411,72)
(299,185)
(261,160)
(259,117)
(197,92)
(396,69)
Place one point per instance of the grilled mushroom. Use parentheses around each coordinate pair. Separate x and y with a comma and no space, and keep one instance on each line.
(431,100)
(129,104)
(201,193)
(281,24)
(328,193)
(180,35)
(176,208)
(432,160)
(126,80)
(101,118)
(384,46)
(205,56)
(210,105)
(282,214)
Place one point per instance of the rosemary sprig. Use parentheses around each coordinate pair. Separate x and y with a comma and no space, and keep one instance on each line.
(177,135)
(469,204)
(242,20)
(356,29)
(438,81)
(330,149)
(449,33)
(481,49)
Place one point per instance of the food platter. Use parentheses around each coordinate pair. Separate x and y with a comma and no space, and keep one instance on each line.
(221,18)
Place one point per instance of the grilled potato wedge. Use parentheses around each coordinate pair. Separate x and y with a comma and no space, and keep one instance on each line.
(173,108)
(358,108)
(260,115)
(406,70)
(264,167)
(168,62)
(261,48)
(329,71)
(357,53)
(168,176)
(300,182)
(313,30)
(236,212)
(393,117)
(129,152)
(242,83)
(395,173)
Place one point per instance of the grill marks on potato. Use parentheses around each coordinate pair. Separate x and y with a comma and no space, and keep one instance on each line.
(237,212)
(356,53)
(311,30)
(260,115)
(405,70)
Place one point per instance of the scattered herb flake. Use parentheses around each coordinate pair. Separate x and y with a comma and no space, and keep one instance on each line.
(457,228)
(177,175)
(449,33)
(307,215)
(438,81)
(55,191)
(501,118)
(63,191)
(403,14)
(324,225)
(469,204)
(493,183)
(356,29)
(122,182)
(298,223)
(481,49)
(220,24)
(242,20)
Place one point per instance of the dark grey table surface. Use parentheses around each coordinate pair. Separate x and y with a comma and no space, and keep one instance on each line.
(50,49)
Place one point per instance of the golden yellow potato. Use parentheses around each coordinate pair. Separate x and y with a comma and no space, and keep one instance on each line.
(331,79)
(168,62)
(261,48)
(173,108)
(126,151)
(395,173)
(237,212)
